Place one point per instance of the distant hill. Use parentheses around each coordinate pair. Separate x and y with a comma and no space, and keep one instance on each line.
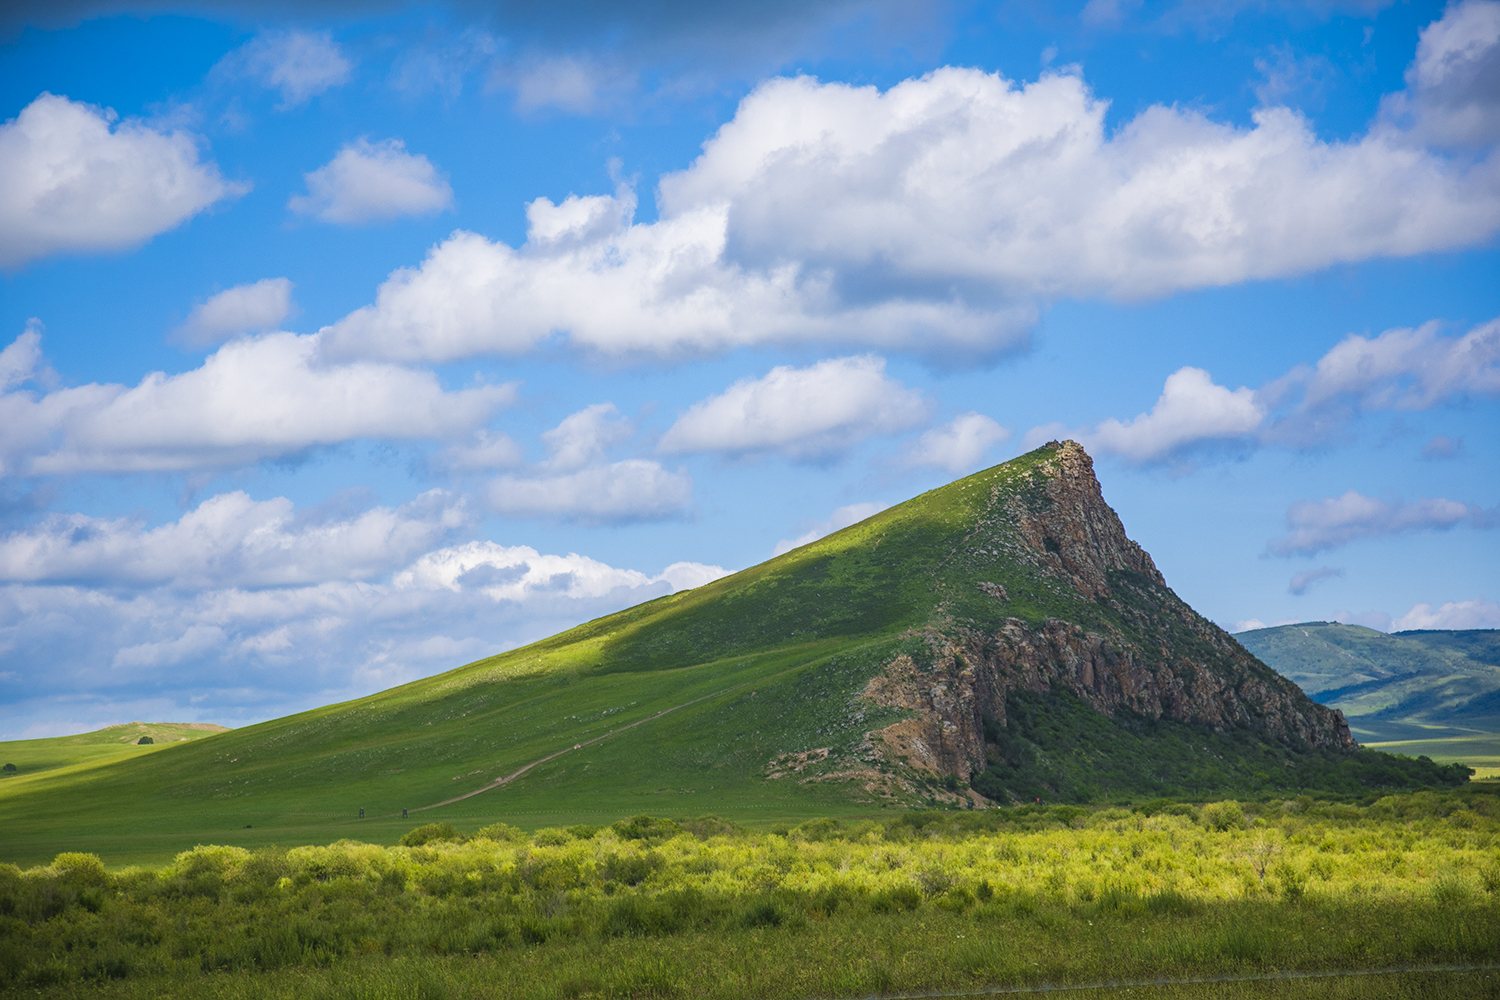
(32,756)
(997,640)
(1403,686)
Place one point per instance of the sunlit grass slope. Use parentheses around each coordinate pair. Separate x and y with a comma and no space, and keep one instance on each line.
(109,743)
(776,654)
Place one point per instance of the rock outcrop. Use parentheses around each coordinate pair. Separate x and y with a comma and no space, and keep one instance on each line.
(1162,659)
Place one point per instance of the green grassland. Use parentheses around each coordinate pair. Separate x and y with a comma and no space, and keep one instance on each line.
(679,705)
(1406,686)
(1482,753)
(112,742)
(919,901)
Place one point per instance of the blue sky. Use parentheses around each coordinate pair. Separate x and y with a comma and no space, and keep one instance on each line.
(344,343)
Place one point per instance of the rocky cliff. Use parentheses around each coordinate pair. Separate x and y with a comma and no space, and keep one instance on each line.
(1145,653)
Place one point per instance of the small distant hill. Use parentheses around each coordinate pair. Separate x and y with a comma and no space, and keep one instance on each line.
(32,756)
(1418,685)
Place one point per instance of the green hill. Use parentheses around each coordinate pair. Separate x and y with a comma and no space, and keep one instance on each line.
(33,756)
(996,640)
(1420,685)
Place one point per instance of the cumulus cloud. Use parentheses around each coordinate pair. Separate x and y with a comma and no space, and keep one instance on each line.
(811,413)
(1401,369)
(486,449)
(73,178)
(1318,525)
(632,490)
(1191,410)
(243,652)
(581,438)
(241,309)
(841,518)
(299,64)
(368,181)
(20,361)
(1477,613)
(251,399)
(567,83)
(1453,85)
(1300,582)
(939,216)
(957,446)
(231,539)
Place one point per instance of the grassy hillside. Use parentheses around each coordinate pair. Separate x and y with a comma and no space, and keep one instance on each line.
(1406,686)
(33,756)
(694,703)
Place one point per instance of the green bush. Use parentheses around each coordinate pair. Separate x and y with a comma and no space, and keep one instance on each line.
(1222,816)
(433,833)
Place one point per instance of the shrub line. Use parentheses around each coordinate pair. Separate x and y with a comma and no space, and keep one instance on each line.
(1124,984)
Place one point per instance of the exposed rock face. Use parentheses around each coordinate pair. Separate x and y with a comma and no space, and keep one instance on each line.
(1174,663)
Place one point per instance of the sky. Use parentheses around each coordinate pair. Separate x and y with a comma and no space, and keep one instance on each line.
(343,342)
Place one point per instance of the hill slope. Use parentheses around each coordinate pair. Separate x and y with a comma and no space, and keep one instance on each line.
(1405,686)
(1001,630)
(32,756)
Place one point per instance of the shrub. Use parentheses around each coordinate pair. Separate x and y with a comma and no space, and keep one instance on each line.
(1222,816)
(144,741)
(432,833)
(10,769)
(501,833)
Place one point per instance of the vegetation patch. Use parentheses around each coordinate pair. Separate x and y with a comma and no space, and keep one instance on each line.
(647,906)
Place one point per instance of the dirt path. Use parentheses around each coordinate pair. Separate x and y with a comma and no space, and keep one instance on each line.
(499,782)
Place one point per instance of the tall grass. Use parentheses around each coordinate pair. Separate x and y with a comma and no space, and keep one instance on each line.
(651,907)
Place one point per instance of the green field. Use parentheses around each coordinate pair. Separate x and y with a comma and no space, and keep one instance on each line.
(1004,899)
(110,743)
(1482,753)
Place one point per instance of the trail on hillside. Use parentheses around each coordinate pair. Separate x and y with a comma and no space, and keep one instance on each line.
(500,782)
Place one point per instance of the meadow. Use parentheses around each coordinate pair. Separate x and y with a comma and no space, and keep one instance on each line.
(916,902)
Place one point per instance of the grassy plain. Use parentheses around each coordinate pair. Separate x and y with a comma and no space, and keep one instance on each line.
(109,743)
(920,901)
(1482,753)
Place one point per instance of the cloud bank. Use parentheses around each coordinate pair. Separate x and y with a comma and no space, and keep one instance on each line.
(1333,522)
(252,399)
(937,217)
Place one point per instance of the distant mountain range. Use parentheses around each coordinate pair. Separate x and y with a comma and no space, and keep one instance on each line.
(1404,686)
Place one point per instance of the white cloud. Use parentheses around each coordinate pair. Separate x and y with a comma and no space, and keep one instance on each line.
(815,412)
(241,309)
(568,83)
(939,217)
(582,438)
(231,540)
(1191,411)
(632,490)
(841,518)
(300,64)
(368,181)
(1401,369)
(252,399)
(237,654)
(1300,582)
(19,362)
(959,445)
(1452,97)
(1477,613)
(1319,525)
(1407,369)
(72,179)
(485,450)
